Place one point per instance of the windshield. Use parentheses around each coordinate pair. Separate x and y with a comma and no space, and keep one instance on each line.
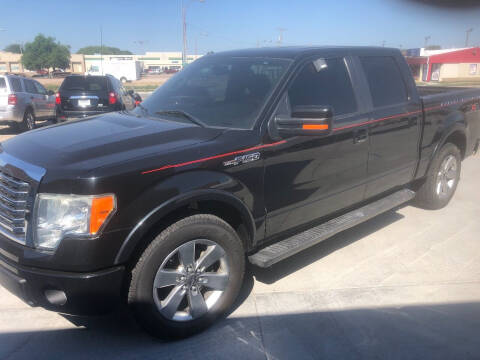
(218,91)
(85,83)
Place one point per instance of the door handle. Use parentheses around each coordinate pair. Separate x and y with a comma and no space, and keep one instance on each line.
(360,136)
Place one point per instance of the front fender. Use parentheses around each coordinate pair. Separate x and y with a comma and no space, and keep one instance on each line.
(180,190)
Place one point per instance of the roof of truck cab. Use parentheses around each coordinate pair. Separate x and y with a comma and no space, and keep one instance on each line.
(294,52)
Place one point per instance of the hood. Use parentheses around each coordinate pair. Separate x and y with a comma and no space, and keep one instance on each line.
(104,140)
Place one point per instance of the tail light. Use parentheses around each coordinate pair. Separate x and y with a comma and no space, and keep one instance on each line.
(58,99)
(12,99)
(112,98)
(137,102)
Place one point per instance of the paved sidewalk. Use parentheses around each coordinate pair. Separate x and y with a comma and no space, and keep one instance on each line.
(405,285)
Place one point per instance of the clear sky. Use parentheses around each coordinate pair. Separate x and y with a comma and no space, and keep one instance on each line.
(228,24)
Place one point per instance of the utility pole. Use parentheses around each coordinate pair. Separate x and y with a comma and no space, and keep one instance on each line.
(383,43)
(184,28)
(101,48)
(467,36)
(280,35)
(426,41)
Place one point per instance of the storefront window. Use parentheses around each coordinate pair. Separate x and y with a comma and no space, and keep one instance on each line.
(436,72)
(473,69)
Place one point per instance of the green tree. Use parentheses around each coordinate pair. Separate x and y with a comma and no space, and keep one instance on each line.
(14,48)
(44,53)
(94,49)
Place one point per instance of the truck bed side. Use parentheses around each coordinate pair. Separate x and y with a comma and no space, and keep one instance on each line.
(449,116)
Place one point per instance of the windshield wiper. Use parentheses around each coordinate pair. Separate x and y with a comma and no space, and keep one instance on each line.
(182,114)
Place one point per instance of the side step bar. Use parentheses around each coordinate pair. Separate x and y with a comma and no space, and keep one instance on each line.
(288,247)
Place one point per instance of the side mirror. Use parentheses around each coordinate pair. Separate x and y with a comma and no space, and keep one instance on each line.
(50,92)
(306,120)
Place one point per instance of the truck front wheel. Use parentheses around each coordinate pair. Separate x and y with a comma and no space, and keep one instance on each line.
(187,277)
(442,179)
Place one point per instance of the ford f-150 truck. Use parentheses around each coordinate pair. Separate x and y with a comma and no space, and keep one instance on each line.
(244,156)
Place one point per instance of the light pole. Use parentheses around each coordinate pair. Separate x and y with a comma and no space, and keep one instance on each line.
(280,35)
(184,25)
(467,36)
(426,41)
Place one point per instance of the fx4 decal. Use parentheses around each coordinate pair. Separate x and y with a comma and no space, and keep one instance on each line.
(242,159)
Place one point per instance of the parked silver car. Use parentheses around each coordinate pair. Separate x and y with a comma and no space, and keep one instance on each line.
(23,101)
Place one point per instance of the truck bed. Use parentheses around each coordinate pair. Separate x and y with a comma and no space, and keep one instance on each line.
(448,106)
(424,90)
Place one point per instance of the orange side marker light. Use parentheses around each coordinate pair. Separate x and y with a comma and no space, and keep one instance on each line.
(315,126)
(102,207)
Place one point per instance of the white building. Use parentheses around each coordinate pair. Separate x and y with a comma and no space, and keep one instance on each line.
(154,61)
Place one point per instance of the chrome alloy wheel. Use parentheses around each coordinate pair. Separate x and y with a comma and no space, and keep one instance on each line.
(30,121)
(447,176)
(191,280)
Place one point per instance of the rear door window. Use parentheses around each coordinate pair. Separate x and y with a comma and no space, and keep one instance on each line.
(29,87)
(15,85)
(85,83)
(385,80)
(324,82)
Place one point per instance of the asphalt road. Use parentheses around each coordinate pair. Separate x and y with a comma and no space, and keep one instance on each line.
(405,285)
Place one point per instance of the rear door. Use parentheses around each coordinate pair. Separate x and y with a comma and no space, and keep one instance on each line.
(394,128)
(46,102)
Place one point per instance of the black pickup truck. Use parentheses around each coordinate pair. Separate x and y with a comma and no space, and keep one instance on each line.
(250,155)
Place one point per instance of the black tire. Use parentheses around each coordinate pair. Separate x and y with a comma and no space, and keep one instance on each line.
(28,122)
(141,288)
(429,196)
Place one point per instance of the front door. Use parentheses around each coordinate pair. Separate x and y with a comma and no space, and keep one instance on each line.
(45,101)
(37,100)
(310,177)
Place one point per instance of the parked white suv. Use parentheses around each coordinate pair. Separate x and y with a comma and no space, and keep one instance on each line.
(23,101)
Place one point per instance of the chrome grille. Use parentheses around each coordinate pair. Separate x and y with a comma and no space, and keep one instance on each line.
(13,207)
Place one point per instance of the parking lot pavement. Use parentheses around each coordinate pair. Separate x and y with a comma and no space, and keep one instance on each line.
(6,132)
(405,285)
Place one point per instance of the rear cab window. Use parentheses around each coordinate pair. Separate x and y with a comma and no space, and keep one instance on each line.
(387,86)
(85,83)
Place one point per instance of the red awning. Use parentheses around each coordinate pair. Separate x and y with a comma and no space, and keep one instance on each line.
(471,55)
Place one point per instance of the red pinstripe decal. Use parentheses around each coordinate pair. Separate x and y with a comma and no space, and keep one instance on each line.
(284,141)
(215,157)
(393,116)
(376,120)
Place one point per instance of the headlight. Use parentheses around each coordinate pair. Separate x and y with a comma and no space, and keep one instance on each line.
(59,215)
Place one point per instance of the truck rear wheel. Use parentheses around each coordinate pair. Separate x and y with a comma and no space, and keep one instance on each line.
(442,179)
(187,277)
